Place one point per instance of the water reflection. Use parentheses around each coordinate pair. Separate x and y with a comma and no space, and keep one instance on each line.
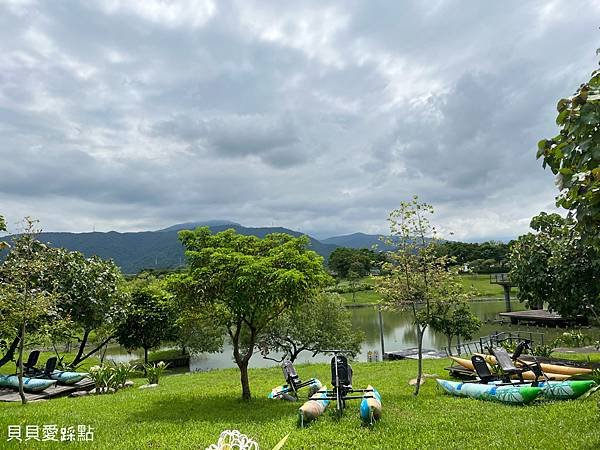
(398,330)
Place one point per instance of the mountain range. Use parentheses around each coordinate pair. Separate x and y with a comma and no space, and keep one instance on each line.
(161,249)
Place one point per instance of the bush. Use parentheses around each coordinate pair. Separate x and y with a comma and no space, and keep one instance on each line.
(574,338)
(154,371)
(107,378)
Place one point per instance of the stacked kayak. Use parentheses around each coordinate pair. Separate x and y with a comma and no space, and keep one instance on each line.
(529,375)
(29,384)
(515,394)
(370,406)
(314,407)
(554,369)
(68,378)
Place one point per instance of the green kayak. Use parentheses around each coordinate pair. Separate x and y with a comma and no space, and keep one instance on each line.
(29,384)
(521,394)
(564,390)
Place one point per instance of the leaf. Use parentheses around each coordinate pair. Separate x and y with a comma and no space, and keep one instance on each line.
(281,442)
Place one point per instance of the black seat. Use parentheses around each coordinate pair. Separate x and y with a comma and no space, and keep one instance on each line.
(290,375)
(50,367)
(342,377)
(482,369)
(508,367)
(29,366)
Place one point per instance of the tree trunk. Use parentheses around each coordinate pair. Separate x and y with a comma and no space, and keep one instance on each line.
(77,360)
(420,333)
(243,365)
(449,337)
(20,374)
(145,355)
(10,353)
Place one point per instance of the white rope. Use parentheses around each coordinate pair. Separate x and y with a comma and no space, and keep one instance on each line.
(233,439)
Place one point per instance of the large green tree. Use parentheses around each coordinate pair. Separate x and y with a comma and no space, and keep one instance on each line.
(344,260)
(573,155)
(245,283)
(557,267)
(314,327)
(149,320)
(89,295)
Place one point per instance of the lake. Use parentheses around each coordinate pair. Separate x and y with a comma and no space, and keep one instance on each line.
(399,333)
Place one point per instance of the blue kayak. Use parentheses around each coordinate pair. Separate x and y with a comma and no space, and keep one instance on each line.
(68,377)
(29,384)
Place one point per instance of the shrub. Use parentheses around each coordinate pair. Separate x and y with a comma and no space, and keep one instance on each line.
(574,338)
(154,371)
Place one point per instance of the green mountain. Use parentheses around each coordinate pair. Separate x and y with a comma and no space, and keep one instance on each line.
(359,240)
(136,251)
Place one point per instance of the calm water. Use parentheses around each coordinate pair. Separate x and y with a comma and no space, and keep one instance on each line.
(399,333)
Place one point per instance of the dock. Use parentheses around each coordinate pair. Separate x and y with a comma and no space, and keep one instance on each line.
(413,353)
(12,395)
(541,317)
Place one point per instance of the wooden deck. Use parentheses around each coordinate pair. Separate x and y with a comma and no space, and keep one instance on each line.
(11,395)
(540,317)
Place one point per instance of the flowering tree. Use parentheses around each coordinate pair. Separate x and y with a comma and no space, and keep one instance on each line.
(417,277)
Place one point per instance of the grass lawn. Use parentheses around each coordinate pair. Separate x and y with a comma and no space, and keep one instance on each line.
(188,411)
(481,283)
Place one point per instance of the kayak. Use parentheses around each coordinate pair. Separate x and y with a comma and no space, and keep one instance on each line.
(565,390)
(529,375)
(29,384)
(517,394)
(549,368)
(314,407)
(285,391)
(68,377)
(370,406)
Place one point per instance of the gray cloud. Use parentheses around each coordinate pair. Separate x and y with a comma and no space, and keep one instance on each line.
(320,116)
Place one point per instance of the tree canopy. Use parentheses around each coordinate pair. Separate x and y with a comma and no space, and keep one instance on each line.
(149,321)
(344,260)
(573,155)
(555,266)
(315,327)
(244,283)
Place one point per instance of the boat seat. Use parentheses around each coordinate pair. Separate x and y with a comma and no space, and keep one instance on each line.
(343,380)
(482,369)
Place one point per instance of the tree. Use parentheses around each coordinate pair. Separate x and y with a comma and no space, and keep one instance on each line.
(574,155)
(530,261)
(89,294)
(343,260)
(314,327)
(245,283)
(24,301)
(454,318)
(149,321)
(557,267)
(417,276)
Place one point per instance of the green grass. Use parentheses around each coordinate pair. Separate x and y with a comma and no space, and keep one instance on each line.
(362,297)
(188,411)
(480,283)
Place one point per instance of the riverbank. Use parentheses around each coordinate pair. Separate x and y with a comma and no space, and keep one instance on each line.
(188,411)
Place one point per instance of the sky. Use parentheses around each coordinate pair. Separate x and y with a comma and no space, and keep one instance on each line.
(320,116)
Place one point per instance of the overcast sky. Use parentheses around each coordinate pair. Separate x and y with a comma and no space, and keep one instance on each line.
(318,116)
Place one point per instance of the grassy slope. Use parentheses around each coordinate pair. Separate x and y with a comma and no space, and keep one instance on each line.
(189,411)
(481,283)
